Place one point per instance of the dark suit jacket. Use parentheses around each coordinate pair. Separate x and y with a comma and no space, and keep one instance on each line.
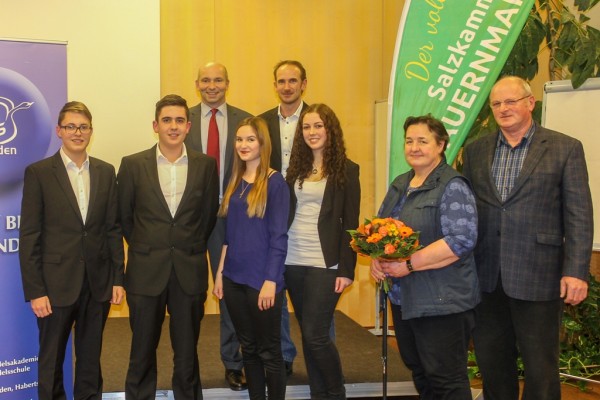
(544,229)
(56,248)
(194,138)
(339,213)
(157,241)
(272,118)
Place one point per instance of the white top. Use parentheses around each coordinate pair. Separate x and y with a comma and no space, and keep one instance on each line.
(172,177)
(304,246)
(80,181)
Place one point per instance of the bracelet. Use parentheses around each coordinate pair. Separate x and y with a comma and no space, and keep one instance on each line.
(409,265)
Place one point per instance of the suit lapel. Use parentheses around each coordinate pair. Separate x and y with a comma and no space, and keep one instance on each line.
(193,171)
(196,120)
(152,176)
(537,148)
(94,183)
(65,184)
(232,122)
(488,159)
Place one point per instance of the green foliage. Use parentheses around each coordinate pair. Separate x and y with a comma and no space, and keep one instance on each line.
(580,336)
(574,52)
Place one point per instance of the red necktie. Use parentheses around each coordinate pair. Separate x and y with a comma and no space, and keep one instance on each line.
(212,146)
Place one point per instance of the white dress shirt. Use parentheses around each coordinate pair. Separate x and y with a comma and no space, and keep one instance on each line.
(287,130)
(80,181)
(172,177)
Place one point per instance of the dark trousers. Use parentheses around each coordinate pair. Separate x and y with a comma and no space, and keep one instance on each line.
(146,316)
(89,317)
(259,334)
(435,350)
(229,343)
(504,327)
(314,299)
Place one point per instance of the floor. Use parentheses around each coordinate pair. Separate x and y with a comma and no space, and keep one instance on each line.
(569,390)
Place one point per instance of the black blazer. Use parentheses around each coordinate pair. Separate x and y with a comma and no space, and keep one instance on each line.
(56,248)
(339,213)
(272,118)
(157,241)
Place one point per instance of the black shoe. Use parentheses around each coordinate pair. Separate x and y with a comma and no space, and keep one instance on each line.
(236,380)
(289,368)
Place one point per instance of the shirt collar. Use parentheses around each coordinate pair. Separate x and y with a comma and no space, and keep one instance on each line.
(524,140)
(205,109)
(295,115)
(160,157)
(68,162)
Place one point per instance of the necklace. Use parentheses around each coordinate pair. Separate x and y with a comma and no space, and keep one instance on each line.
(244,188)
(315,170)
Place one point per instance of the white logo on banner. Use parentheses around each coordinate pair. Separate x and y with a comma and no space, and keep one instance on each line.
(8,127)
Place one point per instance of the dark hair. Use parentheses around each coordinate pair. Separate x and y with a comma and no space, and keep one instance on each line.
(434,125)
(171,100)
(334,153)
(74,107)
(295,63)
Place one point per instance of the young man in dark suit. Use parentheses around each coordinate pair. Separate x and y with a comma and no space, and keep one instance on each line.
(71,254)
(168,199)
(535,243)
(213,83)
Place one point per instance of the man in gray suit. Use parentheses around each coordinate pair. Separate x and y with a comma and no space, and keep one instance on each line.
(534,246)
(212,83)
(168,200)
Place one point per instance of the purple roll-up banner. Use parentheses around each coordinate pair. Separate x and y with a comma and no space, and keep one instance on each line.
(33,89)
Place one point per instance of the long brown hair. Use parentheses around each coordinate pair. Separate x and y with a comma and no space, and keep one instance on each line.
(334,153)
(257,196)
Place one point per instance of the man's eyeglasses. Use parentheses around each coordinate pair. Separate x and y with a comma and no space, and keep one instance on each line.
(507,103)
(71,129)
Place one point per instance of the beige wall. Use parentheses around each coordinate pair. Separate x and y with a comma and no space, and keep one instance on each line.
(113,49)
(346,47)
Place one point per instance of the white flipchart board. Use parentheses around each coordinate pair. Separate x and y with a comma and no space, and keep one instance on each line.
(576,112)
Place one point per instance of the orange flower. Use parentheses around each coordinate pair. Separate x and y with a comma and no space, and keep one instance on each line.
(378,221)
(405,231)
(361,229)
(374,238)
(368,229)
(389,249)
(382,231)
(399,224)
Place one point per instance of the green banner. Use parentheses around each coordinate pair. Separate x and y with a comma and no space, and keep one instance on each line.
(448,55)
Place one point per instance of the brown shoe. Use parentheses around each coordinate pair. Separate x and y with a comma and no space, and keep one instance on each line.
(236,379)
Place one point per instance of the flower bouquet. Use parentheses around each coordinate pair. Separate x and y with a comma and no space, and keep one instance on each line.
(384,239)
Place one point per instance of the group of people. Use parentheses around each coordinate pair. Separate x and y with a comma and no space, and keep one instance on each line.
(502,249)
(270,199)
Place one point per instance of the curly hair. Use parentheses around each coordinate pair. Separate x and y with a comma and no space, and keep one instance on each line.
(334,153)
